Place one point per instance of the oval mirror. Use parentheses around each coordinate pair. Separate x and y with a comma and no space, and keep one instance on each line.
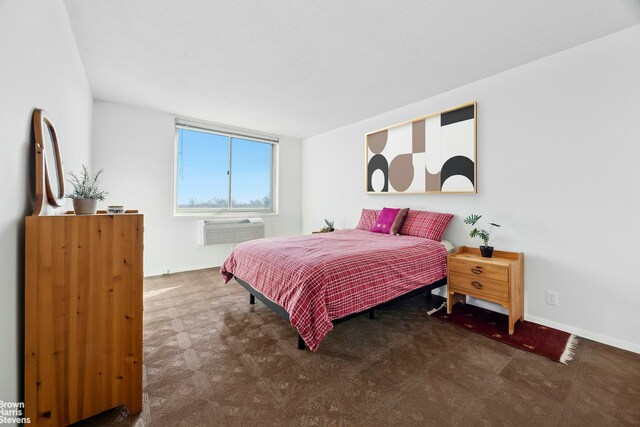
(48,168)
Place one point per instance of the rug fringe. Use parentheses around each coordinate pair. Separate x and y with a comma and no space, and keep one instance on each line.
(569,349)
(433,310)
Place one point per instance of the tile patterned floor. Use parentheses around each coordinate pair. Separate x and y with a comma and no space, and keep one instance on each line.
(211,359)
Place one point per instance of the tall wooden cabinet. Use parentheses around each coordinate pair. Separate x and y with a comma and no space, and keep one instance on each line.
(83,316)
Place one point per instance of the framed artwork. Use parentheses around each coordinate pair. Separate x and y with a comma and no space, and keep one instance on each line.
(431,154)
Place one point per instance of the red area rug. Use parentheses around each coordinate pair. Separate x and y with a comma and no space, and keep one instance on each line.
(547,342)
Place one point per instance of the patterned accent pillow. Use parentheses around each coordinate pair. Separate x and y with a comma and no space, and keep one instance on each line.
(367,219)
(400,218)
(430,225)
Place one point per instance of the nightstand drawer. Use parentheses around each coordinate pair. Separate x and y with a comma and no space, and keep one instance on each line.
(478,285)
(479,269)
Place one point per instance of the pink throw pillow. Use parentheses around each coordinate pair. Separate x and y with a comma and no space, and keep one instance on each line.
(389,220)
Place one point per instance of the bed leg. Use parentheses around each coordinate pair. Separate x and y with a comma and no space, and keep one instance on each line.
(429,297)
(370,314)
(252,299)
(301,343)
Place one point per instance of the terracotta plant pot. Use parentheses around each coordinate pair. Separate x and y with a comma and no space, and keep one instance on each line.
(85,206)
(486,251)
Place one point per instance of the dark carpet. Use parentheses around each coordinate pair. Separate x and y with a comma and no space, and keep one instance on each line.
(211,359)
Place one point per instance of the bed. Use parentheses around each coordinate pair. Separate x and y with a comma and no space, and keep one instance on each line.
(318,280)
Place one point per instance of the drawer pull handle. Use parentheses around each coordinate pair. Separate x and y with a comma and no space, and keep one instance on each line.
(476,285)
(476,271)
(479,267)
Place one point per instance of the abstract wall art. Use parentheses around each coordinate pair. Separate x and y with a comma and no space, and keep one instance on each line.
(431,154)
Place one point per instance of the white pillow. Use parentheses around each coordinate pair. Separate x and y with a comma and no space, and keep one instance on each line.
(448,246)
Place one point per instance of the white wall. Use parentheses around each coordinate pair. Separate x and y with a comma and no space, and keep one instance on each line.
(40,68)
(135,146)
(558,153)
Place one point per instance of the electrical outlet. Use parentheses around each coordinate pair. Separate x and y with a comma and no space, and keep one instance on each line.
(552,298)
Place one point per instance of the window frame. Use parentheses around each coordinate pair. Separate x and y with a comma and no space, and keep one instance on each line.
(230,133)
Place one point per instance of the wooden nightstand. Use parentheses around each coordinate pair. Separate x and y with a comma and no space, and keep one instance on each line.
(499,279)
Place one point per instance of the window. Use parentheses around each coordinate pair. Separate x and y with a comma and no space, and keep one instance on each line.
(221,172)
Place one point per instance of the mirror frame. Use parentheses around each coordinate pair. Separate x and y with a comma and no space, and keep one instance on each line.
(41,124)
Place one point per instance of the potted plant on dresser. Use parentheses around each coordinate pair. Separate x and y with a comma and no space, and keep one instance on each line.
(486,250)
(86,192)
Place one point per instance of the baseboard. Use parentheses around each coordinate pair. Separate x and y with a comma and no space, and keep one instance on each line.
(179,270)
(614,342)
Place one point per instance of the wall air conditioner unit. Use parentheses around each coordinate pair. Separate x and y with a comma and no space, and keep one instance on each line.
(230,230)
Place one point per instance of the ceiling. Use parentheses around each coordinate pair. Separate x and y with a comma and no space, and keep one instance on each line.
(303,67)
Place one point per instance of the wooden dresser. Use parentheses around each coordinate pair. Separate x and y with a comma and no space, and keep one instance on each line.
(83,316)
(499,279)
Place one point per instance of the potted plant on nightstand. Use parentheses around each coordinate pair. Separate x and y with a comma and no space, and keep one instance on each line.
(85,193)
(486,250)
(329,227)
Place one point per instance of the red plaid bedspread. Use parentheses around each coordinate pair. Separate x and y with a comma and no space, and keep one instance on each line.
(328,276)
